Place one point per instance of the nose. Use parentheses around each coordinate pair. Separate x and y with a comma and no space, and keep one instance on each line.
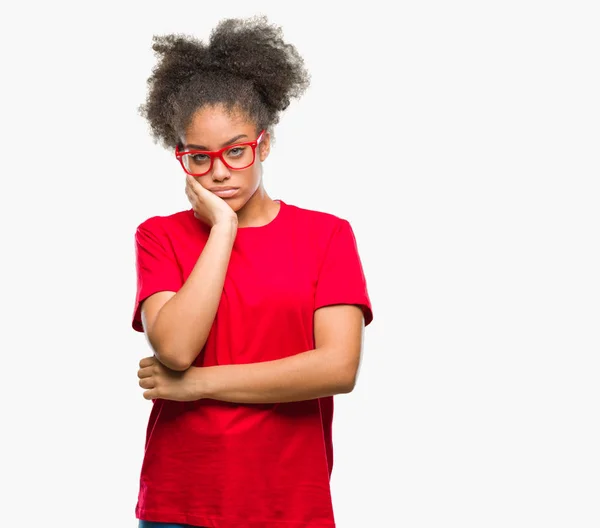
(220,172)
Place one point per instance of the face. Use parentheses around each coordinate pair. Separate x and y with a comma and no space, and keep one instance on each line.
(212,128)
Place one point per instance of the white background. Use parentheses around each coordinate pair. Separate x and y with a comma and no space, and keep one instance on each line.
(461,141)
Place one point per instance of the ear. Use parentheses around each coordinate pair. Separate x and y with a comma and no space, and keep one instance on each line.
(264,147)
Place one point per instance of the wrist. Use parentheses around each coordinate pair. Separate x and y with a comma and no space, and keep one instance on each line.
(195,382)
(227,224)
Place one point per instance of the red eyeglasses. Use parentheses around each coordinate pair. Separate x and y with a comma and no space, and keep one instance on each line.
(236,157)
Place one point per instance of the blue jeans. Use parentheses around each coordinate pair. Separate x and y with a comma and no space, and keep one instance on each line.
(150,524)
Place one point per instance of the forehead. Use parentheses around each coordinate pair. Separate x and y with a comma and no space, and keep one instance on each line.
(213,125)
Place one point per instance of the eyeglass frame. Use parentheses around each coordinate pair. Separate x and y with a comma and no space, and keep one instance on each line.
(212,154)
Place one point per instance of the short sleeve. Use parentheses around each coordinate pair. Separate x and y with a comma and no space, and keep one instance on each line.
(156,267)
(341,278)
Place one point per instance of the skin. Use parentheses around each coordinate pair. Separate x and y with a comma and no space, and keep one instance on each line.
(330,368)
(213,127)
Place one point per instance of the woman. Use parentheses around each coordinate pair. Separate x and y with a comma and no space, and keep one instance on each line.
(254,308)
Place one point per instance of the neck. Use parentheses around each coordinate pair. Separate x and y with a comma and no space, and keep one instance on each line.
(258,211)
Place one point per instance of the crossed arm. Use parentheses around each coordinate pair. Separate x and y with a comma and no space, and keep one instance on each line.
(330,368)
(176,329)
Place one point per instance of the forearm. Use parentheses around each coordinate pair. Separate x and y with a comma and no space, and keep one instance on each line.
(304,376)
(182,325)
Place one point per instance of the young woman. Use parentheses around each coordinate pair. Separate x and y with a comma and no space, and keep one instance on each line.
(254,307)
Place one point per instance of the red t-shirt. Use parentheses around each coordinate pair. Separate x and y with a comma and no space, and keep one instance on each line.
(228,465)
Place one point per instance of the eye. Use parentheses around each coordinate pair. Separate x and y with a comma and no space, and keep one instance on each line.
(199,158)
(236,152)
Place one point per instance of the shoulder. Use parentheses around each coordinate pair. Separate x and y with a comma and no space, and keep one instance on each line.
(320,221)
(319,229)
(169,223)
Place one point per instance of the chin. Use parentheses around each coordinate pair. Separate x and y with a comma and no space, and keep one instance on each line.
(237,203)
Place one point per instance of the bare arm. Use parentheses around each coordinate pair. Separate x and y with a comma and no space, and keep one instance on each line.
(177,324)
(331,368)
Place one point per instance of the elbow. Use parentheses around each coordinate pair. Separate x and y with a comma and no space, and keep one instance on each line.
(347,387)
(344,368)
(348,380)
(170,358)
(175,359)
(174,364)
(172,349)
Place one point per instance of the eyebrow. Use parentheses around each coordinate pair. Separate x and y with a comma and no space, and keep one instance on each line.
(202,147)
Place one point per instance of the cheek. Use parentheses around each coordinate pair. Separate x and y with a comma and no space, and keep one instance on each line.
(204,181)
(252,178)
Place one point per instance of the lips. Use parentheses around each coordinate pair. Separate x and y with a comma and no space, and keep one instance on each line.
(224,192)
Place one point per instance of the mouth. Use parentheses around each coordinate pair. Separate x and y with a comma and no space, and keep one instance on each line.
(224,192)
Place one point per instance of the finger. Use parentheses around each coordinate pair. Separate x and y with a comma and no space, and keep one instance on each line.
(145,372)
(147,383)
(191,183)
(147,361)
(192,194)
(150,394)
(197,188)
